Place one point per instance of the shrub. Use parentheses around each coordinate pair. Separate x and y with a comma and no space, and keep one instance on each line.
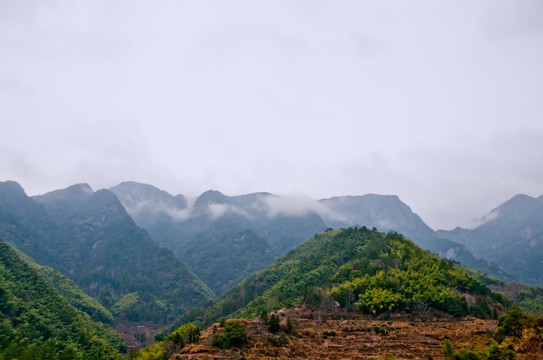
(221,340)
(448,350)
(277,340)
(236,333)
(511,322)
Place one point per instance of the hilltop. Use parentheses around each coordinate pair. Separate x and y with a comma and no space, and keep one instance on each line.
(361,270)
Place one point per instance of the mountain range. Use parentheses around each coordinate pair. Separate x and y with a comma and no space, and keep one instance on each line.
(89,237)
(191,229)
(145,256)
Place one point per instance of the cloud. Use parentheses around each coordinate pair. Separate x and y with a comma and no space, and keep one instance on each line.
(299,205)
(218,210)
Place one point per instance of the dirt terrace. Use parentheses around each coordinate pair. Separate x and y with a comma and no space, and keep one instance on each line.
(359,337)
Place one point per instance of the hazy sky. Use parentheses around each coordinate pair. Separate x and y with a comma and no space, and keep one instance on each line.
(439,102)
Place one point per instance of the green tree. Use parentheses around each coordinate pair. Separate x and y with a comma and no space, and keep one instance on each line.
(236,333)
(511,322)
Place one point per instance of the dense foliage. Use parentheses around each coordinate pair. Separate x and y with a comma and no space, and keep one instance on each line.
(36,322)
(531,300)
(70,291)
(362,270)
(392,274)
(234,335)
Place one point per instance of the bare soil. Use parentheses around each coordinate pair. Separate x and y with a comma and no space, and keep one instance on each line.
(356,337)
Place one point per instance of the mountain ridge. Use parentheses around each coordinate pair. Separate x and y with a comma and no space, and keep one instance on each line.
(511,237)
(286,222)
(93,241)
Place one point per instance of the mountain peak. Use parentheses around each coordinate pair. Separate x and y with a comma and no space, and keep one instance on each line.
(77,191)
(210,197)
(132,194)
(519,199)
(11,188)
(81,187)
(134,185)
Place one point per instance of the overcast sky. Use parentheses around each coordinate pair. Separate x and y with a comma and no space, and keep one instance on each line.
(438,102)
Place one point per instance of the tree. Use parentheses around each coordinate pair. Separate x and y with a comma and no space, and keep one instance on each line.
(511,322)
(274,325)
(236,333)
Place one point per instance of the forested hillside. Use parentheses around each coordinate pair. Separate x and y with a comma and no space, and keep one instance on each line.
(90,238)
(363,270)
(70,291)
(36,322)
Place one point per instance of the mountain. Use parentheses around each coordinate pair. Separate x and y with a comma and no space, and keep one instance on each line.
(28,226)
(276,225)
(510,236)
(36,322)
(389,213)
(222,239)
(89,237)
(363,271)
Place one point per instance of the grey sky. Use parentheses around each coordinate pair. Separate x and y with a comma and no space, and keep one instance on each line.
(440,102)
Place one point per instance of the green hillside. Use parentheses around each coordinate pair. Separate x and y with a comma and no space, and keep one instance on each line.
(36,322)
(363,270)
(89,238)
(69,290)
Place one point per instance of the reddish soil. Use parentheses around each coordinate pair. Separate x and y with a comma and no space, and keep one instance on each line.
(359,337)
(356,336)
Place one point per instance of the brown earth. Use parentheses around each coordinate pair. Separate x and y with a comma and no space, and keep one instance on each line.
(356,337)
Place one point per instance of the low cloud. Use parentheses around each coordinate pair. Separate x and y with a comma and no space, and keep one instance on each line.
(136,207)
(478,221)
(299,206)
